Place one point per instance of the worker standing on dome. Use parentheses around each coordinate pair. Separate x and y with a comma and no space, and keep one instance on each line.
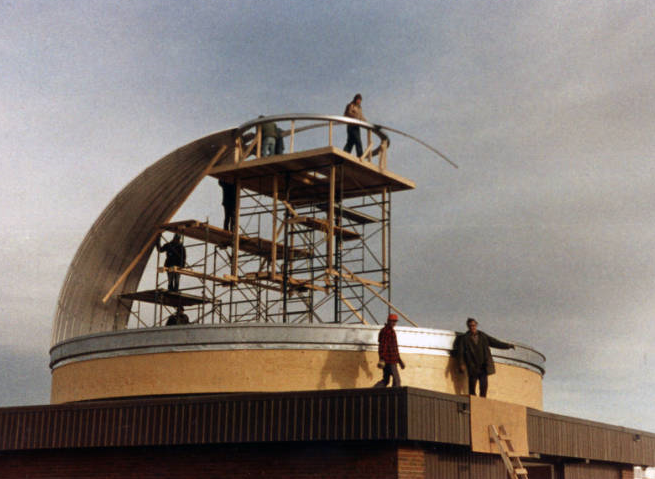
(389,355)
(474,356)
(354,110)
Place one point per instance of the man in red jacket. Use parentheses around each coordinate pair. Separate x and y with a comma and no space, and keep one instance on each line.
(389,355)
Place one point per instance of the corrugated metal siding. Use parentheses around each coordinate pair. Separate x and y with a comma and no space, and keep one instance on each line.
(438,417)
(325,416)
(555,435)
(403,414)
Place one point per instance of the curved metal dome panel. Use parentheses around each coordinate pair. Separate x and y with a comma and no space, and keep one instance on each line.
(122,231)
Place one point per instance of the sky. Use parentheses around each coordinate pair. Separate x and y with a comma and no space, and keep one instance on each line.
(545,233)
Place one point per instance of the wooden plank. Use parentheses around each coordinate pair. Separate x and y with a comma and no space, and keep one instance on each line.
(358,279)
(324,226)
(486,412)
(154,237)
(165,297)
(353,214)
(225,280)
(352,308)
(223,238)
(303,283)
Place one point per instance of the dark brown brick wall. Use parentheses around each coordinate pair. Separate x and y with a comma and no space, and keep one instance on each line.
(411,463)
(288,461)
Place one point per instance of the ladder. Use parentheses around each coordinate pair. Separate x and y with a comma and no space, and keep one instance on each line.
(506,448)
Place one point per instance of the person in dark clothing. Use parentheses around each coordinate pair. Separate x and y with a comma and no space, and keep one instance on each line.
(229,204)
(354,110)
(269,137)
(279,142)
(389,355)
(175,256)
(178,318)
(474,356)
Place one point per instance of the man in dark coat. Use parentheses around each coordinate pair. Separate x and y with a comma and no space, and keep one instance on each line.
(474,355)
(175,257)
(229,204)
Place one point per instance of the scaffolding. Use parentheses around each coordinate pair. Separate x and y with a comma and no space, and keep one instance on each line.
(313,242)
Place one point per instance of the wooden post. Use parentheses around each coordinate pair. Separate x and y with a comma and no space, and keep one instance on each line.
(237,151)
(292,135)
(274,245)
(330,231)
(235,225)
(368,145)
(384,237)
(383,155)
(330,134)
(258,139)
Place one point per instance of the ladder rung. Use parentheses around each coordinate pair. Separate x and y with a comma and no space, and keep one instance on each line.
(521,470)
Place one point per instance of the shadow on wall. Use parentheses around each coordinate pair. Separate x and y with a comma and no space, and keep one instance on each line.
(452,373)
(344,370)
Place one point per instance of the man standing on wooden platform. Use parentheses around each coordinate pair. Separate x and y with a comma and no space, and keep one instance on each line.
(354,110)
(229,204)
(175,257)
(389,355)
(474,355)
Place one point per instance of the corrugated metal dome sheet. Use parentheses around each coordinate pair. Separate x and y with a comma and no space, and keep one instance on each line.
(122,231)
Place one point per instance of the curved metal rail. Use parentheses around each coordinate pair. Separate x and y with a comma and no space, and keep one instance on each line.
(375,128)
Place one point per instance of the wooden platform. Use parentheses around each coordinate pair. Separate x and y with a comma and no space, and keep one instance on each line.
(352,214)
(308,173)
(165,297)
(223,238)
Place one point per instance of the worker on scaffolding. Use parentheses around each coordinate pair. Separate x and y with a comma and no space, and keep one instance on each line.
(354,110)
(269,137)
(389,355)
(178,318)
(474,355)
(175,258)
(229,204)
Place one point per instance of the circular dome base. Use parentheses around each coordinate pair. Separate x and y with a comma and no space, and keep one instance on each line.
(271,357)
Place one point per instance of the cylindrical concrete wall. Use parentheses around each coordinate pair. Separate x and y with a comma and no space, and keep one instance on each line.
(268,357)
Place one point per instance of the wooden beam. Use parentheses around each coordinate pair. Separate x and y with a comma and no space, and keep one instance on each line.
(154,237)
(330,238)
(195,274)
(355,278)
(274,240)
(352,308)
(388,303)
(259,141)
(235,225)
(252,144)
(366,153)
(288,206)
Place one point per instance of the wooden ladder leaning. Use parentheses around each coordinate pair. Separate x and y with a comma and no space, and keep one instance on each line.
(506,448)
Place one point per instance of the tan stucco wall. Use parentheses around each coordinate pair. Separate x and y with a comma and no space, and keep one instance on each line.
(272,370)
